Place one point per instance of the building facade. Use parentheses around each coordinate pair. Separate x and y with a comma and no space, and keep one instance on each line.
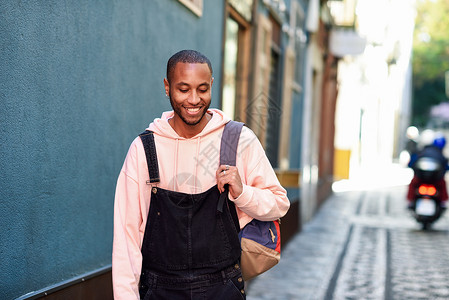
(80,80)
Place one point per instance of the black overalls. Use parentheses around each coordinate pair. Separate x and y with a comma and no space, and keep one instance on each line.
(190,248)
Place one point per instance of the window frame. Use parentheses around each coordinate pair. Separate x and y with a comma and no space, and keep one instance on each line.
(196,6)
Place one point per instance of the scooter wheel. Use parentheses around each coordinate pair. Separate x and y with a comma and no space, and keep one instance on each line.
(426,226)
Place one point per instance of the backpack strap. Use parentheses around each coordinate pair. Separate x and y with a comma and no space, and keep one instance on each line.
(149,146)
(230,142)
(228,156)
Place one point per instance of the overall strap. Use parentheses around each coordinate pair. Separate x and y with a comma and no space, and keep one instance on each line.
(147,138)
(228,156)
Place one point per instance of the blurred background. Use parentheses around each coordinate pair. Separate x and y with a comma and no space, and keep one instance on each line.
(336,90)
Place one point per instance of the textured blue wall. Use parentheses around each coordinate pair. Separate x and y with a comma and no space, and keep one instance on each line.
(78,81)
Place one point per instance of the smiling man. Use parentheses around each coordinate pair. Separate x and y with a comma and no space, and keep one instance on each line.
(169,240)
(188,85)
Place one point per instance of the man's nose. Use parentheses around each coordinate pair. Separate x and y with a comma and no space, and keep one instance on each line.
(194,98)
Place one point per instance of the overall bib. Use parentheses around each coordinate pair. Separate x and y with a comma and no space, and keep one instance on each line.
(190,249)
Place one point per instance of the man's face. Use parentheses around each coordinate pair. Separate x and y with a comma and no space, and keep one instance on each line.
(189,90)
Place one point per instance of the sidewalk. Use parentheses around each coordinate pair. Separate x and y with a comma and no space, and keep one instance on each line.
(309,260)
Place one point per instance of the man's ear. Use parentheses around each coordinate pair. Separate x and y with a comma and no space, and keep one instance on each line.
(212,81)
(167,87)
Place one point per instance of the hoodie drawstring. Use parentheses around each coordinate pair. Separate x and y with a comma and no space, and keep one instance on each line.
(175,171)
(197,161)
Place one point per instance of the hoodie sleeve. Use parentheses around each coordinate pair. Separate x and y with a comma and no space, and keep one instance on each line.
(263,197)
(126,255)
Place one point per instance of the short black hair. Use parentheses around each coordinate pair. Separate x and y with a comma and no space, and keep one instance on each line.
(186,56)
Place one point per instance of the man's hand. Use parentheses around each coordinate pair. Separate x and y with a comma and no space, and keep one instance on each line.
(229,175)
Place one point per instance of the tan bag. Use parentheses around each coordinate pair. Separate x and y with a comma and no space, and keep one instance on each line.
(261,247)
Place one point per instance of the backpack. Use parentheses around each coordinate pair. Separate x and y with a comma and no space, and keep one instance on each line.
(260,241)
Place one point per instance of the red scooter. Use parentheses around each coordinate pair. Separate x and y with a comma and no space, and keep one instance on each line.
(427,206)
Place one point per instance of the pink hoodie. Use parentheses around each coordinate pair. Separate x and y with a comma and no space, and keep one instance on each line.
(188,166)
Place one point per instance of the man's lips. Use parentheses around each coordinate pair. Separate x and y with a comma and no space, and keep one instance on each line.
(193,110)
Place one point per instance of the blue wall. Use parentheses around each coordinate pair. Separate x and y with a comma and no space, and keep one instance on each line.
(78,81)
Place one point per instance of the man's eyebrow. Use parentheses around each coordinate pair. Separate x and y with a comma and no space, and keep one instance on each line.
(185,83)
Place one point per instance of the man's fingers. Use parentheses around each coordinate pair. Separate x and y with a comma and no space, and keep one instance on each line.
(226,174)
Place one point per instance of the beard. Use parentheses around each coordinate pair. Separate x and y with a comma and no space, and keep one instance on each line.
(178,110)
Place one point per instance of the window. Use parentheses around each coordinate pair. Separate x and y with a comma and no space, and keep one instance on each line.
(235,65)
(258,104)
(230,67)
(274,102)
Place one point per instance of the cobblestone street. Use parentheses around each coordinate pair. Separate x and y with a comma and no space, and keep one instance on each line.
(362,244)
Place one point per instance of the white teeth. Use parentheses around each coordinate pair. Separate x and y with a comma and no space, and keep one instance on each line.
(193,109)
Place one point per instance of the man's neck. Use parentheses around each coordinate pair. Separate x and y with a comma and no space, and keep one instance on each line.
(188,131)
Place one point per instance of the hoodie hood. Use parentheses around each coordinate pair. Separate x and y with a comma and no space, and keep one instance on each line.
(186,161)
(161,126)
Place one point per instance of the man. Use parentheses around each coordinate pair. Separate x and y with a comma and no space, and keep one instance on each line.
(436,177)
(169,243)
